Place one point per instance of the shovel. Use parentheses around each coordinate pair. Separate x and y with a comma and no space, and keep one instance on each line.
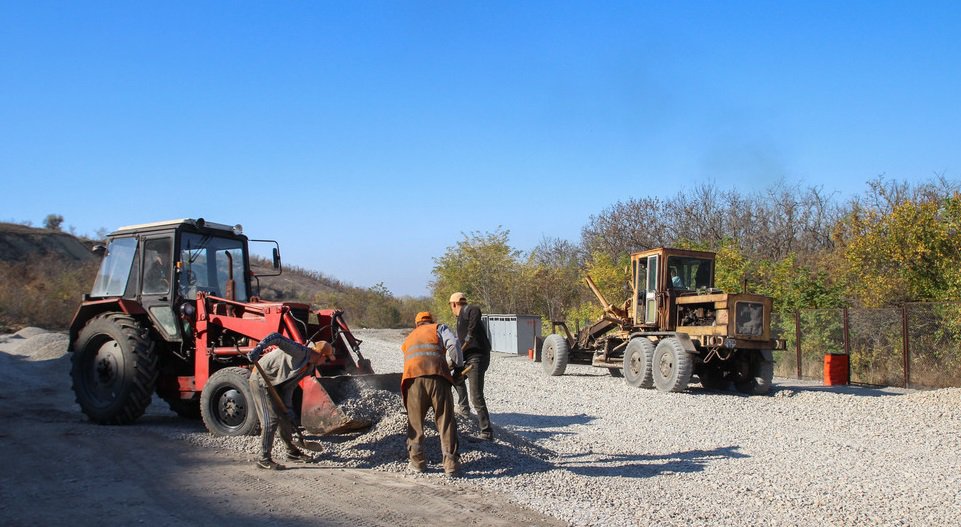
(281,409)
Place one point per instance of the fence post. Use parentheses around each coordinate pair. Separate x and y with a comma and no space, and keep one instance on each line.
(906,347)
(846,338)
(797,340)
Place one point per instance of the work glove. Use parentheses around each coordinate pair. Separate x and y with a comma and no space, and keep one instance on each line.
(457,375)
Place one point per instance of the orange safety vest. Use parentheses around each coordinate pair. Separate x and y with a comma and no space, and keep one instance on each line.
(424,354)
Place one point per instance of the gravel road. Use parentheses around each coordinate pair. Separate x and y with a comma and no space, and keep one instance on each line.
(589,450)
(582,448)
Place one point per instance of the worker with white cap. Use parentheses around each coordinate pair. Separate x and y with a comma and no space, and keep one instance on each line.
(476,347)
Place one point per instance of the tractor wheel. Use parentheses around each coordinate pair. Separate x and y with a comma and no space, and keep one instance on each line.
(554,355)
(114,369)
(712,378)
(186,408)
(761,373)
(672,366)
(638,357)
(226,404)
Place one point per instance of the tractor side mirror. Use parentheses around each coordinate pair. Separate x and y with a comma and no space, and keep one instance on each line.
(276,258)
(99,249)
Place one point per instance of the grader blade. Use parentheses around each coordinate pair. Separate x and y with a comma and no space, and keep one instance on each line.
(323,397)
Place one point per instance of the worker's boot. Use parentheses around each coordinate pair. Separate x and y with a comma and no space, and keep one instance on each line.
(269,464)
(451,465)
(417,462)
(299,455)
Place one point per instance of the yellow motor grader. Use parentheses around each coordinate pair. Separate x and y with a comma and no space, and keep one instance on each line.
(675,325)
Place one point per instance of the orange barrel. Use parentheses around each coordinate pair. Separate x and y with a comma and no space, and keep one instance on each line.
(835,369)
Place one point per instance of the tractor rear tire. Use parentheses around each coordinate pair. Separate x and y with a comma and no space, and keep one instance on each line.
(761,374)
(638,357)
(672,366)
(227,405)
(113,369)
(554,355)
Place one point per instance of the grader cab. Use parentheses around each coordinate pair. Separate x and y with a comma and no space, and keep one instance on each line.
(174,311)
(674,325)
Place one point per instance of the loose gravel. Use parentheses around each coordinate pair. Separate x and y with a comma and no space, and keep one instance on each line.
(589,450)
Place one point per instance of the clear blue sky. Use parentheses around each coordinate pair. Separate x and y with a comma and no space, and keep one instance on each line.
(367,137)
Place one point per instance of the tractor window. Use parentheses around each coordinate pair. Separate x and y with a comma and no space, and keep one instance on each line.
(689,274)
(158,269)
(115,268)
(206,262)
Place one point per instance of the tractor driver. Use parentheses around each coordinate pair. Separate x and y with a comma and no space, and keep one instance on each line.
(284,367)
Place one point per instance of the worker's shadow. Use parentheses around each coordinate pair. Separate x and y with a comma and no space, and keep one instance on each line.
(537,427)
(645,465)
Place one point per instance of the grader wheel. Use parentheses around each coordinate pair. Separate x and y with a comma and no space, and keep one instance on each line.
(672,366)
(638,357)
(554,355)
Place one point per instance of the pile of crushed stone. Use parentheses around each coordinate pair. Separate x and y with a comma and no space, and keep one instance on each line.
(383,446)
(35,344)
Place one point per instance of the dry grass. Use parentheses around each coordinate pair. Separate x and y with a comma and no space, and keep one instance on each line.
(42,292)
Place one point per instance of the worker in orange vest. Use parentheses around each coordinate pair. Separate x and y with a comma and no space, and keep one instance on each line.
(426,383)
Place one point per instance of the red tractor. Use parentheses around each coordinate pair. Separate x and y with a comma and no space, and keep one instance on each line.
(173,310)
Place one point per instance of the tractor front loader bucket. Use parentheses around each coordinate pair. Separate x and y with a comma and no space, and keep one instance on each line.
(324,398)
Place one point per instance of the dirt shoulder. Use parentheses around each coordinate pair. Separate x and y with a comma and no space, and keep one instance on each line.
(58,467)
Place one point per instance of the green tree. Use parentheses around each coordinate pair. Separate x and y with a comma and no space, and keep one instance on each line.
(912,253)
(484,267)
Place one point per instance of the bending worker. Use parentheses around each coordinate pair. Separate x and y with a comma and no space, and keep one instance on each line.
(426,383)
(284,367)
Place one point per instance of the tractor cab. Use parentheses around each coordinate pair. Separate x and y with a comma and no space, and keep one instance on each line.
(162,266)
(664,273)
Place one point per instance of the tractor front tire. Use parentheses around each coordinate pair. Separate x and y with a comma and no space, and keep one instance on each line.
(672,366)
(554,355)
(761,376)
(113,369)
(227,405)
(638,357)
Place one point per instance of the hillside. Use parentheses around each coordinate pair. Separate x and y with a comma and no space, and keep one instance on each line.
(19,243)
(44,272)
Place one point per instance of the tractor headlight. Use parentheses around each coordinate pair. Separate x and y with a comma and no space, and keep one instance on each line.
(730,343)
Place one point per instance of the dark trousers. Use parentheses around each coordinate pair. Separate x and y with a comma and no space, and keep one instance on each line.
(432,391)
(475,384)
(267,413)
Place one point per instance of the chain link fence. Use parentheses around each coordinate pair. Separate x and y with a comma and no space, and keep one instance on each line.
(917,345)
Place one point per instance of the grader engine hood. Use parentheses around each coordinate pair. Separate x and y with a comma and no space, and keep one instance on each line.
(742,316)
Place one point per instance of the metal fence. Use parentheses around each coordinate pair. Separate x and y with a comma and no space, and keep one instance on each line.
(917,345)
